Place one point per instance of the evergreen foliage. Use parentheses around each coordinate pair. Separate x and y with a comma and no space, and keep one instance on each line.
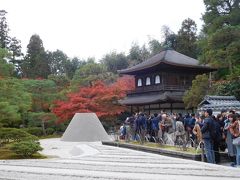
(114,62)
(155,47)
(187,38)
(4,30)
(61,65)
(26,148)
(169,37)
(36,131)
(57,62)
(43,93)
(138,54)
(14,102)
(199,89)
(6,69)
(35,64)
(220,44)
(12,46)
(226,88)
(14,135)
(87,74)
(50,131)
(9,115)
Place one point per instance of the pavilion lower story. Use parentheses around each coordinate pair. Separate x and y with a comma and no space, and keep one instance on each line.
(169,102)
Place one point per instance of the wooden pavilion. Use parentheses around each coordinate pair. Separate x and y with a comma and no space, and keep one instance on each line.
(161,82)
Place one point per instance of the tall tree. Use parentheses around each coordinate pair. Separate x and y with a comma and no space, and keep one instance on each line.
(220,44)
(114,61)
(15,48)
(220,14)
(169,37)
(4,30)
(90,72)
(186,38)
(137,54)
(35,63)
(155,47)
(57,60)
(13,45)
(6,69)
(62,65)
(72,65)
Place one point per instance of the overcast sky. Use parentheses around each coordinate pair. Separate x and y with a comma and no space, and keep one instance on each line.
(92,28)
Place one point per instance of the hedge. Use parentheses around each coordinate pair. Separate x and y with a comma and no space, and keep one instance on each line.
(26,148)
(14,135)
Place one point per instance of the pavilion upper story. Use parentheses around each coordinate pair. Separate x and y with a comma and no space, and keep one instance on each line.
(168,70)
(161,81)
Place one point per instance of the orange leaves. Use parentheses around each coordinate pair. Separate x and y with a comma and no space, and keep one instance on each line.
(100,98)
(125,83)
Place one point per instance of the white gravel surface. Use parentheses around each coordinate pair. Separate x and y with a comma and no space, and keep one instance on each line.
(72,160)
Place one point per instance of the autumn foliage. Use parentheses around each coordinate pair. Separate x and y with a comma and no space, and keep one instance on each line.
(100,98)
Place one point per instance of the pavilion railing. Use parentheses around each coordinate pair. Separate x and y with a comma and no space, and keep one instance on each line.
(162,87)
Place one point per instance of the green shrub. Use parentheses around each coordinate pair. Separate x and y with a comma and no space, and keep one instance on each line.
(14,135)
(36,131)
(50,131)
(59,128)
(26,148)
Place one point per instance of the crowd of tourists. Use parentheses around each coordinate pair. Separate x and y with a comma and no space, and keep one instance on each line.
(216,132)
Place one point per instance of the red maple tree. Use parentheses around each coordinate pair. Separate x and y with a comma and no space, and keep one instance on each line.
(100,98)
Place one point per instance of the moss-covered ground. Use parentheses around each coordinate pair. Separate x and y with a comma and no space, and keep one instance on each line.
(188,150)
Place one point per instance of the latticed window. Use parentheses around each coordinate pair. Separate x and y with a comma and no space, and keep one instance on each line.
(139,82)
(148,81)
(157,79)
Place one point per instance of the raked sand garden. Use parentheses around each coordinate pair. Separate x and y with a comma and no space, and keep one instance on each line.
(92,160)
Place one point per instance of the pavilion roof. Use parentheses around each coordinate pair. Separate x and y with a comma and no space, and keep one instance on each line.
(169,57)
(219,103)
(152,98)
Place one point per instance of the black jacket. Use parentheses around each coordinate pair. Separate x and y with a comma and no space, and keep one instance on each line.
(207,122)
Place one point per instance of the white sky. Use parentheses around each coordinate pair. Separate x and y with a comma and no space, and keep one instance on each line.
(92,28)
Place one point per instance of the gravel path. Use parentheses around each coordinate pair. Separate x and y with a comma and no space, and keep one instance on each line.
(96,161)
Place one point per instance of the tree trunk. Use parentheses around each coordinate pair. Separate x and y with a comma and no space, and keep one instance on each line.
(43,128)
